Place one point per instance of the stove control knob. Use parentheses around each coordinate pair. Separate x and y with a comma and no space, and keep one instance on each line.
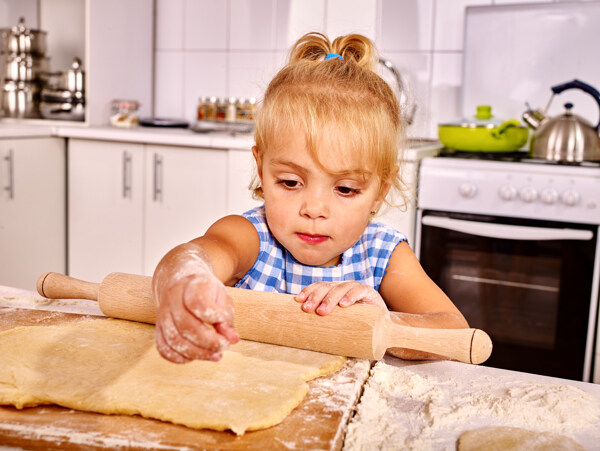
(549,196)
(528,194)
(467,189)
(570,197)
(507,192)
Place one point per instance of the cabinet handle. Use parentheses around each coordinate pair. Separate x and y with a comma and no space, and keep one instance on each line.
(126,175)
(158,169)
(10,187)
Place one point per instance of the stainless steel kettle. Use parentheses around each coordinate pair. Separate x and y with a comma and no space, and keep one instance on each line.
(568,137)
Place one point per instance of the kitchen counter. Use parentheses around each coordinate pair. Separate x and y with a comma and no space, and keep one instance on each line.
(416,148)
(428,405)
(408,405)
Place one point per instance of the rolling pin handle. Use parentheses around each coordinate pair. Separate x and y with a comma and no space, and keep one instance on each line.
(481,346)
(53,285)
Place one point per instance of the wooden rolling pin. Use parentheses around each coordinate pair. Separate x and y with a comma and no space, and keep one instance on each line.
(362,331)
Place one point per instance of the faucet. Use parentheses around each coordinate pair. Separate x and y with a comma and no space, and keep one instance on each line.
(407,107)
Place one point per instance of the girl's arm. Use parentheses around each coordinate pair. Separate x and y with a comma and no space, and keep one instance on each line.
(415,300)
(194,311)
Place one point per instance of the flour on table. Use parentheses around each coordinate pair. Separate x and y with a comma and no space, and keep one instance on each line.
(401,408)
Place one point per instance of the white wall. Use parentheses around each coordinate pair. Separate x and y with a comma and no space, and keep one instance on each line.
(233,47)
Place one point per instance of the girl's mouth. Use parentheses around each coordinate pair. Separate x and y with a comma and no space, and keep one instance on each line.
(312,239)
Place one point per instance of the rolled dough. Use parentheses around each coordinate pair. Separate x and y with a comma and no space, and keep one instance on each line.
(502,438)
(112,366)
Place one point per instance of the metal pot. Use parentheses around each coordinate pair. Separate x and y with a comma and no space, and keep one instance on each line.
(21,39)
(20,99)
(25,67)
(483,133)
(568,137)
(61,104)
(74,78)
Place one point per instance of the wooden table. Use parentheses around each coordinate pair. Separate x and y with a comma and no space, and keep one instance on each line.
(319,422)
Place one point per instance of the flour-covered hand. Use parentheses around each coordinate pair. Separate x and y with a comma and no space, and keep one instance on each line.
(194,319)
(322,297)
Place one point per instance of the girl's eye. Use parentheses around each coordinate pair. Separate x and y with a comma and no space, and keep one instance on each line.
(347,191)
(288,183)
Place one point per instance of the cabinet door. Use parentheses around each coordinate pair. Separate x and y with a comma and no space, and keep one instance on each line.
(185,194)
(239,175)
(403,220)
(105,208)
(32,210)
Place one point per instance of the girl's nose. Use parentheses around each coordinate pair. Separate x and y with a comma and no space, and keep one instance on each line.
(314,207)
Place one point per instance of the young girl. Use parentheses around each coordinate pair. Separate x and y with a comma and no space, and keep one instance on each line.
(327,137)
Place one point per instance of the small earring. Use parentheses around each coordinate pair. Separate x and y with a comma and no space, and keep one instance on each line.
(373,212)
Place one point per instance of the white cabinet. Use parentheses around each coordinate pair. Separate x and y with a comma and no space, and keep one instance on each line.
(130,203)
(240,171)
(185,194)
(106,193)
(114,40)
(32,210)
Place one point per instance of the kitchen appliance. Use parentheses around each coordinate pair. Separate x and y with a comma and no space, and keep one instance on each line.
(514,243)
(483,133)
(277,318)
(567,137)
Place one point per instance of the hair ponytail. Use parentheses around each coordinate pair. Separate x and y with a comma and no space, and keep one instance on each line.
(316,46)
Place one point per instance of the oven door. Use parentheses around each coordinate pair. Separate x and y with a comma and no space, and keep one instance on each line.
(529,284)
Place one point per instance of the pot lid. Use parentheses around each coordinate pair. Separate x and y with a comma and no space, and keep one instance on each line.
(21,29)
(482,118)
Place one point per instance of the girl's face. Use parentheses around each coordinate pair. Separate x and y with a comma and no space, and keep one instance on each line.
(315,214)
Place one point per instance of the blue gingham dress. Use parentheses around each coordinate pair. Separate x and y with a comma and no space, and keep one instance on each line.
(277,270)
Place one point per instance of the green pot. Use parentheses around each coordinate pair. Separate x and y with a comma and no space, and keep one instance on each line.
(483,134)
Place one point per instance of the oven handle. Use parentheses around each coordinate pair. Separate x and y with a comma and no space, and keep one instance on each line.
(506,232)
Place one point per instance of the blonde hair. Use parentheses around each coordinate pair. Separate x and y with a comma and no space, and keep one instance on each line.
(314,91)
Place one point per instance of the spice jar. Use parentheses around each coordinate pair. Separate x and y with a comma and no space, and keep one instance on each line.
(211,109)
(202,108)
(230,114)
(124,113)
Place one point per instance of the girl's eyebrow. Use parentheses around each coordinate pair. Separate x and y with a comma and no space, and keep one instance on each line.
(297,167)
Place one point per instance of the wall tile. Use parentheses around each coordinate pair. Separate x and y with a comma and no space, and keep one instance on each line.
(415,70)
(205,74)
(293,18)
(449,22)
(169,86)
(405,25)
(205,24)
(252,25)
(11,11)
(446,83)
(169,29)
(351,16)
(250,73)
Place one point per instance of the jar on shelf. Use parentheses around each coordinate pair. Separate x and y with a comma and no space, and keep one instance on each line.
(230,114)
(251,109)
(202,108)
(211,109)
(124,113)
(221,109)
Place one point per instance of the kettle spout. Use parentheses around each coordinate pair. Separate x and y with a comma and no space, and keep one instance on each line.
(534,118)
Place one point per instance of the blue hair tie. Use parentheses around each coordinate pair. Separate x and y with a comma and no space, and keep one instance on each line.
(333,55)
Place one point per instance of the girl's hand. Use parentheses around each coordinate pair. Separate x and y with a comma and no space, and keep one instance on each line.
(322,297)
(194,319)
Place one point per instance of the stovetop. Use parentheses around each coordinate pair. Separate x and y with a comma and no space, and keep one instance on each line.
(518,156)
(511,185)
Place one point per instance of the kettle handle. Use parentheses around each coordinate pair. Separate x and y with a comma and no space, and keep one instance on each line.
(578,84)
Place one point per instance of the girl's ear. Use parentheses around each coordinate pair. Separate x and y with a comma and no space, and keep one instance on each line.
(258,160)
(383,192)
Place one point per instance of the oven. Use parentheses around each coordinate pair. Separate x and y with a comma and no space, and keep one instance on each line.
(515,246)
